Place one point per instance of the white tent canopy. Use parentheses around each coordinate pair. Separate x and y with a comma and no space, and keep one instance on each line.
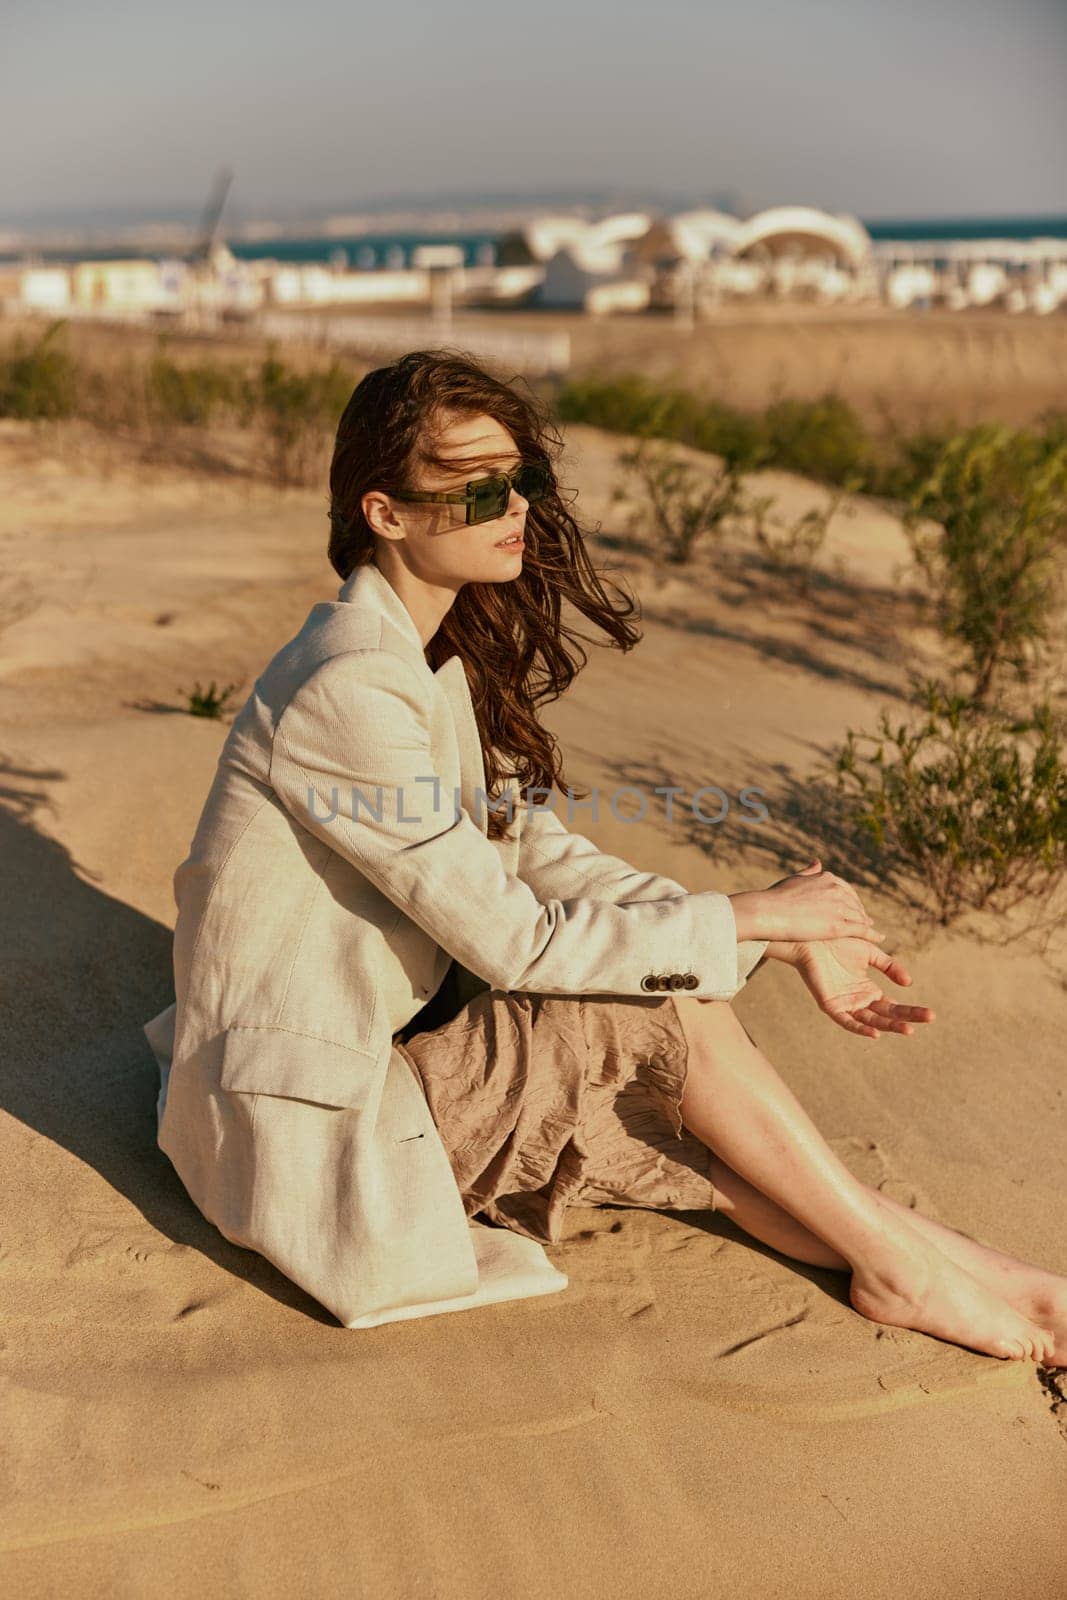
(603,244)
(697,233)
(547,235)
(804,231)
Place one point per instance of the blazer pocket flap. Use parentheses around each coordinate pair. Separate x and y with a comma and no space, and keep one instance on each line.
(295,1066)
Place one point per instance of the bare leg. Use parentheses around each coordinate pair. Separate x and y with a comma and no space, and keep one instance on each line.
(1037,1293)
(757,1214)
(736,1103)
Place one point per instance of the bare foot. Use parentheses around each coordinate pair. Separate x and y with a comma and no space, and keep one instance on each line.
(1037,1294)
(928,1292)
(1040,1295)
(1046,1304)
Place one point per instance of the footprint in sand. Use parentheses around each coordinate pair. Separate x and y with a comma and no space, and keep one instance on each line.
(139,1243)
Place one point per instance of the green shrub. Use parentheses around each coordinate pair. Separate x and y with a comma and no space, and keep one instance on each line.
(1052,431)
(297,411)
(623,405)
(632,404)
(960,802)
(684,502)
(822,439)
(191,395)
(793,546)
(209,702)
(906,460)
(993,563)
(742,440)
(114,396)
(40,382)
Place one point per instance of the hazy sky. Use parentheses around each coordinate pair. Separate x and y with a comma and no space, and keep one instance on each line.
(881,107)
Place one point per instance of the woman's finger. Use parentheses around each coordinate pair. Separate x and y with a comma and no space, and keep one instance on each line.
(897,973)
(886,1008)
(879,1020)
(891,966)
(914,1013)
(894,1008)
(846,1020)
(902,1018)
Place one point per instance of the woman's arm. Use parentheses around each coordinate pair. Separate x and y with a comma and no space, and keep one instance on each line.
(557,863)
(554,861)
(354,741)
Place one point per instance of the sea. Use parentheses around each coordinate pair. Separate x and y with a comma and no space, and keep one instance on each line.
(374,251)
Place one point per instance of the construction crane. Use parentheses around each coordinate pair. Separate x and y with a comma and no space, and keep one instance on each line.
(209,222)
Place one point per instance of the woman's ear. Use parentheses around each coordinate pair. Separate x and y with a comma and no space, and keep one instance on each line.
(378,510)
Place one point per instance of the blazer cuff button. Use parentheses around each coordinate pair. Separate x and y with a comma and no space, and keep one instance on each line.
(692,981)
(676,980)
(649,981)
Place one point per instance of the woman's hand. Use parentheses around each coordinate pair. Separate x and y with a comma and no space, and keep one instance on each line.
(837,971)
(811,904)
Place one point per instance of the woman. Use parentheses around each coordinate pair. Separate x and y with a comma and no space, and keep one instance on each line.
(579,1044)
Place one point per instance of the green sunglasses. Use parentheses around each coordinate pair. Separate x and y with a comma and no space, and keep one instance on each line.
(487,498)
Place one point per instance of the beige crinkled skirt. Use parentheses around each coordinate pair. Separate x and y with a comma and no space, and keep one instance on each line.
(545,1100)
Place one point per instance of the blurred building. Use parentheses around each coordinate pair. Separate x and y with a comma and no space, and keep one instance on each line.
(689,263)
(116,285)
(1013,275)
(693,259)
(807,253)
(37,288)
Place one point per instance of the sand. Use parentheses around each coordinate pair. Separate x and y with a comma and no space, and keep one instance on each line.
(695,1415)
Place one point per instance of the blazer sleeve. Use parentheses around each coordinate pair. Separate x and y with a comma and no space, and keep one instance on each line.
(352,761)
(556,863)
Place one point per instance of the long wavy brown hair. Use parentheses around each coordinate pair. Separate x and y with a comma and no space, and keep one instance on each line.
(511,636)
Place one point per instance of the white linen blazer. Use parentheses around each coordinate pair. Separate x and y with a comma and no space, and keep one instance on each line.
(340,862)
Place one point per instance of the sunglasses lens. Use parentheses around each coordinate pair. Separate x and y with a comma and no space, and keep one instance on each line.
(490,500)
(532,483)
(491,495)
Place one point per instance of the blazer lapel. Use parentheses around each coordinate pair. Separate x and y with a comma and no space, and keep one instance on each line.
(452,680)
(368,586)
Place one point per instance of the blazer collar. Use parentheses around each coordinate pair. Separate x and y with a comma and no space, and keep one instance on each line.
(368,587)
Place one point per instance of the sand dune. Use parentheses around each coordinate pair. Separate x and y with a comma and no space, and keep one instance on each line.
(696,1415)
